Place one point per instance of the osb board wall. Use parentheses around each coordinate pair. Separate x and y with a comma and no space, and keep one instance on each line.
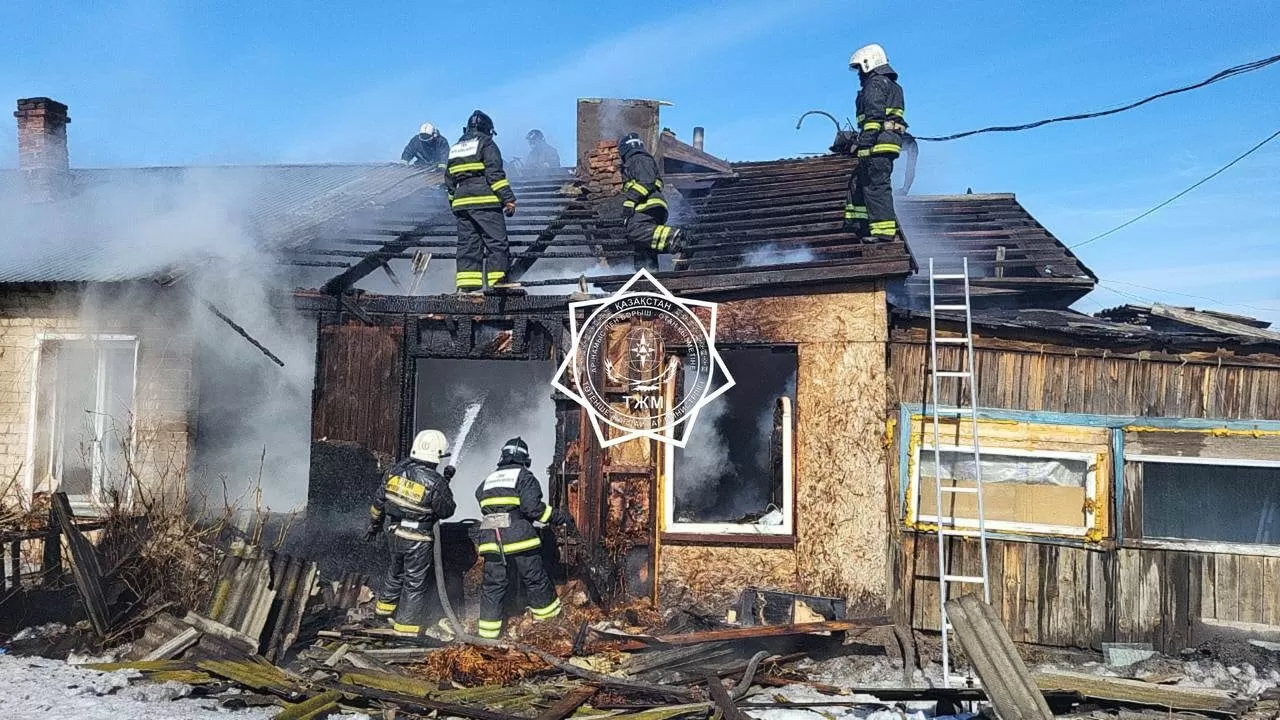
(1069,596)
(1060,381)
(716,574)
(358,386)
(840,461)
(163,394)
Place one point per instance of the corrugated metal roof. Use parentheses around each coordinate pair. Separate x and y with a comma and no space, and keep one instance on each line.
(130,223)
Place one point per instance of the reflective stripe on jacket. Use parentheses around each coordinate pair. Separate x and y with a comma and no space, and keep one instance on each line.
(881,113)
(641,185)
(513,491)
(474,177)
(413,495)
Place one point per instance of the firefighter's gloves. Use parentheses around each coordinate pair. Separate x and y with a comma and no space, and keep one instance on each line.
(560,516)
(627,214)
(509,209)
(375,529)
(448,472)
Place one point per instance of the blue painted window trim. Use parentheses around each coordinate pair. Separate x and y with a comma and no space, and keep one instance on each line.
(1117,423)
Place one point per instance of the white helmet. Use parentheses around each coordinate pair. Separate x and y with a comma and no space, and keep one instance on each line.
(427,129)
(429,446)
(868,58)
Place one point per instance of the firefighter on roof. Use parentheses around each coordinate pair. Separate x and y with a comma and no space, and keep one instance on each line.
(510,503)
(644,211)
(413,496)
(479,195)
(868,209)
(428,148)
(541,155)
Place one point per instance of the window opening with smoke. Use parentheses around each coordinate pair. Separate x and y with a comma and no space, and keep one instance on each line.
(84,416)
(734,474)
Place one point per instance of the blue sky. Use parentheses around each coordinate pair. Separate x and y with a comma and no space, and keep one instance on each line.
(153,83)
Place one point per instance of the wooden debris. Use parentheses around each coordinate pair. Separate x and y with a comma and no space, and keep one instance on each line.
(313,707)
(764,631)
(84,565)
(728,710)
(989,647)
(471,666)
(1137,692)
(423,705)
(176,646)
(332,660)
(565,706)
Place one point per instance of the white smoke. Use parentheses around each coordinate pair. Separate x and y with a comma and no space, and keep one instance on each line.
(254,416)
(773,254)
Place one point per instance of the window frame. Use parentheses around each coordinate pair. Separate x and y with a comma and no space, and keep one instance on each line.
(785,531)
(930,522)
(1194,544)
(94,501)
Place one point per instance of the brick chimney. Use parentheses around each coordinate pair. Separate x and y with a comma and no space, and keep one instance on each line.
(42,147)
(608,119)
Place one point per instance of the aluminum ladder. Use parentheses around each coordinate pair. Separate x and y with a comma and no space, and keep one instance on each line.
(966,407)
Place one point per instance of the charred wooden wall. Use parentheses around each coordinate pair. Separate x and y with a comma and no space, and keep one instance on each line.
(359,369)
(841,543)
(1080,594)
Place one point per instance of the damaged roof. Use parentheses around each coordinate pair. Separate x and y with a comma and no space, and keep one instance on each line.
(1060,323)
(1014,261)
(121,224)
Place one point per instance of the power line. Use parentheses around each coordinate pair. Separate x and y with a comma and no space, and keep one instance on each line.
(1189,295)
(1217,77)
(1200,182)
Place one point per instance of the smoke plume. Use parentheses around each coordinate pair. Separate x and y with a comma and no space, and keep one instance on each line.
(194,225)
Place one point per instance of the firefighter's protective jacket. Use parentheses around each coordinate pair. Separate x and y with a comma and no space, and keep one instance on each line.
(543,157)
(881,118)
(510,500)
(414,496)
(431,151)
(641,184)
(475,178)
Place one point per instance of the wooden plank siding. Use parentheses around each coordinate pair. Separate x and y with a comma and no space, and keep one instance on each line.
(1035,378)
(358,376)
(1078,597)
(1077,594)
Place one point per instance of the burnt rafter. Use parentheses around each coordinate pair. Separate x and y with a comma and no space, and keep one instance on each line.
(347,279)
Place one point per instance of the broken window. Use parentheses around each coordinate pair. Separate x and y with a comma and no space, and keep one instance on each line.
(84,416)
(1023,490)
(734,475)
(1223,501)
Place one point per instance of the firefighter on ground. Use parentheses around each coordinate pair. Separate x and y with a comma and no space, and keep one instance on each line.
(644,211)
(413,496)
(510,503)
(427,148)
(868,209)
(479,194)
(541,155)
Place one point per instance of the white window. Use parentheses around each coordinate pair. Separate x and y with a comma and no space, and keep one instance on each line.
(735,476)
(1023,490)
(82,416)
(1207,499)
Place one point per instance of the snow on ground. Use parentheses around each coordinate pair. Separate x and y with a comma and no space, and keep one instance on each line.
(32,687)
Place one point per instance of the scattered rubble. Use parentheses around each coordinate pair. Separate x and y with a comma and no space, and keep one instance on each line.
(267,636)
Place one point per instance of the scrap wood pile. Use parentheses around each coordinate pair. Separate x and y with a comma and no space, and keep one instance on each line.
(601,670)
